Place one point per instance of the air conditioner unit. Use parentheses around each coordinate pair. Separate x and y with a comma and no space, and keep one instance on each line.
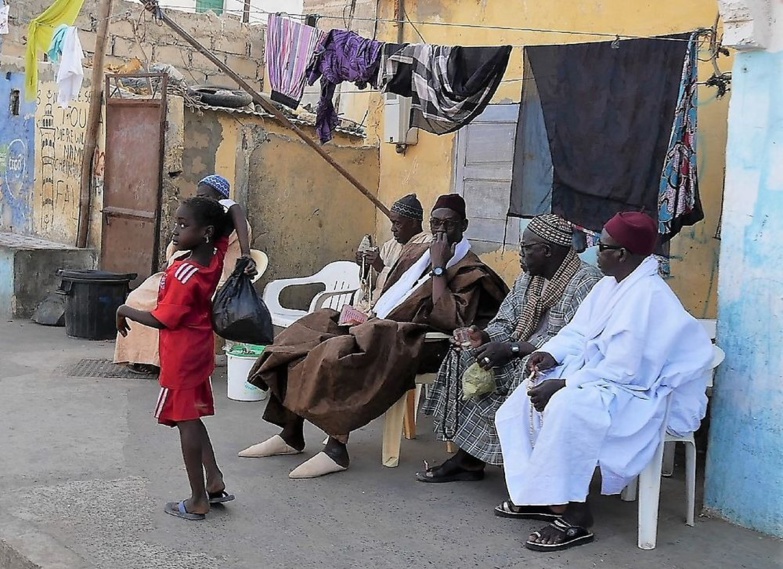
(397,120)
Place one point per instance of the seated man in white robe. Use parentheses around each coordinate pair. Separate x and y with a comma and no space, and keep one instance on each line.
(601,391)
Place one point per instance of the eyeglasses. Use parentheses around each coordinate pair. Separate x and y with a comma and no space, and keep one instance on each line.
(604,247)
(447,224)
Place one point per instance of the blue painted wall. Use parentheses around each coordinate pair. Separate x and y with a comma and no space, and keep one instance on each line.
(17,153)
(744,478)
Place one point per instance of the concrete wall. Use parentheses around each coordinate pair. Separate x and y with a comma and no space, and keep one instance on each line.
(17,152)
(428,167)
(303,213)
(745,454)
(239,45)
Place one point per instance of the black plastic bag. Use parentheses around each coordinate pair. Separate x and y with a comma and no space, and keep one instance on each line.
(238,314)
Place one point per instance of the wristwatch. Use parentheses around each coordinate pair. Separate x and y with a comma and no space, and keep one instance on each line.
(515,350)
(438,272)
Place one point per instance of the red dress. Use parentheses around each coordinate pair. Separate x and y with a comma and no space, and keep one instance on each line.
(187,343)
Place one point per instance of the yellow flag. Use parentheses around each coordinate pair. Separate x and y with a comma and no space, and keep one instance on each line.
(39,36)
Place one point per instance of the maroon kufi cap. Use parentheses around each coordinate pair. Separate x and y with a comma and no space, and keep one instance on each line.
(453,202)
(635,231)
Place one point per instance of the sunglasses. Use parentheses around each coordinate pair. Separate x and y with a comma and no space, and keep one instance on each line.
(447,224)
(603,247)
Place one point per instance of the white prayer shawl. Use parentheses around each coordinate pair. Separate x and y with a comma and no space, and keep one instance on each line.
(70,74)
(413,278)
(628,346)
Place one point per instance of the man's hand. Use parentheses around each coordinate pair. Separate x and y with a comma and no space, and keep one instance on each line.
(251,270)
(122,322)
(543,392)
(540,361)
(371,258)
(472,336)
(440,250)
(494,354)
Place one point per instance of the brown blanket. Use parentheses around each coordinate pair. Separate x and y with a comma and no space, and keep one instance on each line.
(342,378)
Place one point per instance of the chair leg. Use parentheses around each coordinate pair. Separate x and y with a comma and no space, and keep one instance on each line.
(668,458)
(392,433)
(409,424)
(629,492)
(649,499)
(690,481)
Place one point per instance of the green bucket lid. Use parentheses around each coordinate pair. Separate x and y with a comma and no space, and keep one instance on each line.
(246,350)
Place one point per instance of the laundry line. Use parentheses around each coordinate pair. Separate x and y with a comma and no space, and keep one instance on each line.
(662,37)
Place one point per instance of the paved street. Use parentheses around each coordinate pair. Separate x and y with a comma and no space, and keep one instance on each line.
(85,471)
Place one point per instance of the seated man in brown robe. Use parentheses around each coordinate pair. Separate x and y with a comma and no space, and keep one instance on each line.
(340,378)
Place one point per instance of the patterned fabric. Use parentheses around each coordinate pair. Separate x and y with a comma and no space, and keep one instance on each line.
(217,183)
(450,86)
(409,206)
(342,56)
(471,424)
(678,199)
(290,47)
(552,228)
(539,301)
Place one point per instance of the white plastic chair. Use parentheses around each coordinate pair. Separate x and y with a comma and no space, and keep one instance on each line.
(401,417)
(340,278)
(649,481)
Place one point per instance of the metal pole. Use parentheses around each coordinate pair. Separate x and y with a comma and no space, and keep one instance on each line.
(152,6)
(93,124)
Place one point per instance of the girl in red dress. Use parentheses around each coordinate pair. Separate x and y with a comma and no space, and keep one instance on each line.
(187,348)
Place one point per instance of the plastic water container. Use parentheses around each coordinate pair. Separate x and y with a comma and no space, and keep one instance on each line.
(241,358)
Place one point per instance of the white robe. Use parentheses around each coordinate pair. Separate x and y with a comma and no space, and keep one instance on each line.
(628,346)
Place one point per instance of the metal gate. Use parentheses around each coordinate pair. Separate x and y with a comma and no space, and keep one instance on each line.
(133,176)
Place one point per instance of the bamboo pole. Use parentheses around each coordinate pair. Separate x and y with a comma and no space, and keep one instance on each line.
(152,6)
(93,123)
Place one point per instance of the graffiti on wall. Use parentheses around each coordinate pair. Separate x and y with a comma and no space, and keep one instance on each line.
(16,155)
(60,138)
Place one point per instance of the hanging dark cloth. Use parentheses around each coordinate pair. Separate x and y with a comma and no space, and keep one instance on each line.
(607,115)
(342,56)
(450,86)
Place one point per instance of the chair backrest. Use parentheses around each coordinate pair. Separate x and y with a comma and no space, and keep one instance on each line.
(339,275)
(262,262)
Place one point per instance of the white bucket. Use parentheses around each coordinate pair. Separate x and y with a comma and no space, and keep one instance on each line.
(239,389)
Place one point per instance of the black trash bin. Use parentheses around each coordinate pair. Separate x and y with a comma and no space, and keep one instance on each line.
(92,299)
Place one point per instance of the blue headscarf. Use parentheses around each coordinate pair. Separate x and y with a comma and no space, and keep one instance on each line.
(217,183)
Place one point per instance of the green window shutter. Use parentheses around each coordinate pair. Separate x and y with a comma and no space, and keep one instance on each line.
(215,5)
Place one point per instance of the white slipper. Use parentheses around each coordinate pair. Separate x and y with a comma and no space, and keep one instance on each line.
(320,465)
(274,446)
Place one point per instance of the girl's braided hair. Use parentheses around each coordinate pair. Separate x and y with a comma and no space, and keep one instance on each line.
(206,212)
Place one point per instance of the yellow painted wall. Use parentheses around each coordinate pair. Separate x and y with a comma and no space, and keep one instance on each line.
(427,168)
(59,145)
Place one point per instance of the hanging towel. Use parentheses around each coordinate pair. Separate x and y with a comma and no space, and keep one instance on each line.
(4,10)
(450,86)
(290,48)
(39,37)
(678,197)
(607,114)
(58,39)
(342,56)
(70,74)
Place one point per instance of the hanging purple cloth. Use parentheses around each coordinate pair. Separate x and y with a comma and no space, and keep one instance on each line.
(342,56)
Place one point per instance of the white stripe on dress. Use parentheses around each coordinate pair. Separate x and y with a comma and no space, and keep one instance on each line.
(164,392)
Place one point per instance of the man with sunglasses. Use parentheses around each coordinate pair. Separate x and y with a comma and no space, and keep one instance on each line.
(340,378)
(543,300)
(599,390)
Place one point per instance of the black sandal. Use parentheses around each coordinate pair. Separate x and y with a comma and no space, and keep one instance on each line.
(448,472)
(508,509)
(572,537)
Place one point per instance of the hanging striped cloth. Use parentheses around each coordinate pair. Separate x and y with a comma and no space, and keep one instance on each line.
(290,47)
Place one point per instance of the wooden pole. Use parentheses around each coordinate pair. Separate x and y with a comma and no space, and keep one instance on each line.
(152,6)
(246,12)
(93,123)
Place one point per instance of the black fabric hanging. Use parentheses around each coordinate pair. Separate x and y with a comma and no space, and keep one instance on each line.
(607,114)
